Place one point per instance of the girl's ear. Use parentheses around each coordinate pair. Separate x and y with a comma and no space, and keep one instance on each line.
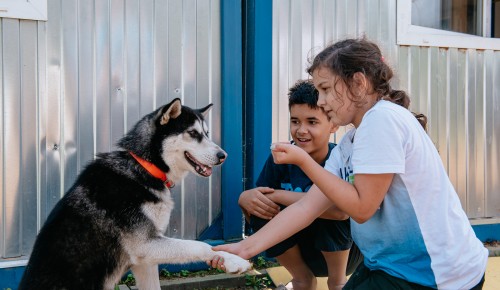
(361,83)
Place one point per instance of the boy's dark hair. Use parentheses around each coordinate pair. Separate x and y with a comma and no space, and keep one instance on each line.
(303,92)
(347,57)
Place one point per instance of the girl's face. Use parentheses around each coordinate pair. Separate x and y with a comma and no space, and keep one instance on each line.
(335,97)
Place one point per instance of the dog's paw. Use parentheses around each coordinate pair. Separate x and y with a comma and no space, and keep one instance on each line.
(234,263)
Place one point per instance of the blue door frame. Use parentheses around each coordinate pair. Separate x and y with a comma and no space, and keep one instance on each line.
(246,57)
(232,115)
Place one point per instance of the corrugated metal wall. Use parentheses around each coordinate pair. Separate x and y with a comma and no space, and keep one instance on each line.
(459,90)
(72,86)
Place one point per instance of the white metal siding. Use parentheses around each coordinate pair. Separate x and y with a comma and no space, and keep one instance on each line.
(72,86)
(458,89)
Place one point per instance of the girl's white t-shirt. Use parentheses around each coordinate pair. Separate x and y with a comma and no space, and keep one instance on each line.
(420,232)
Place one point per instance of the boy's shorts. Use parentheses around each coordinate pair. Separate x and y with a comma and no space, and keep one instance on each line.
(321,235)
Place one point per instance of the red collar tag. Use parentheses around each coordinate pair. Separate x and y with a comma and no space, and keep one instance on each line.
(153,170)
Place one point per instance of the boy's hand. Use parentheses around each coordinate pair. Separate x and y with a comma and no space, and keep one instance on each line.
(254,202)
(286,153)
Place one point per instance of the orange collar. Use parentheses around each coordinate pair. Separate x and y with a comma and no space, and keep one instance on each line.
(153,170)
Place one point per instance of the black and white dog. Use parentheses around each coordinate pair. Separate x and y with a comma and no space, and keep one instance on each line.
(113,218)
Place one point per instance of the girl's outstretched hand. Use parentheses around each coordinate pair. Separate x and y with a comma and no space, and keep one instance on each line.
(234,248)
(218,262)
(286,153)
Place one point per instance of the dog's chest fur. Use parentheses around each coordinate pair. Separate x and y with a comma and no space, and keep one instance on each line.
(159,212)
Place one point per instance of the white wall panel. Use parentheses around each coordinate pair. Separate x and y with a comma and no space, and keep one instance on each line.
(71,86)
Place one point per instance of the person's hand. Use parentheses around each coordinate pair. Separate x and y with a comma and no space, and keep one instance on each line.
(286,153)
(218,263)
(254,202)
(235,248)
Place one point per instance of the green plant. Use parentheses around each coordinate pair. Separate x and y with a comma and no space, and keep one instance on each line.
(130,280)
(257,282)
(165,274)
(184,273)
(260,262)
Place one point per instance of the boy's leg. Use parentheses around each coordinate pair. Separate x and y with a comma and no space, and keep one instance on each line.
(336,262)
(302,277)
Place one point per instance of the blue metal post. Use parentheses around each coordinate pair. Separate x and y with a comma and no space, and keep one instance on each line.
(232,116)
(258,86)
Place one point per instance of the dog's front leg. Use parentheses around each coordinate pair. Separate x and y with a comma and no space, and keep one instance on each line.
(146,276)
(163,250)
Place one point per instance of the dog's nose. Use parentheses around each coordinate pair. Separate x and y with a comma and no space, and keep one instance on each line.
(222,156)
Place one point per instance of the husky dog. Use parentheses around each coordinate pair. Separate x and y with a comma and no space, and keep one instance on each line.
(114,216)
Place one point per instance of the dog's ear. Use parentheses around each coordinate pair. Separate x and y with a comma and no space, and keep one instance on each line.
(173,110)
(204,111)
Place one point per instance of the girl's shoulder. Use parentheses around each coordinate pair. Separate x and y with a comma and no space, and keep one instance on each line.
(389,116)
(385,108)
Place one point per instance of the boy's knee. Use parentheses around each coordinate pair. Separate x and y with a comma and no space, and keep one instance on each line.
(336,283)
(304,282)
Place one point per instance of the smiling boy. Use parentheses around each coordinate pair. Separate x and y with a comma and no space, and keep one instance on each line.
(321,249)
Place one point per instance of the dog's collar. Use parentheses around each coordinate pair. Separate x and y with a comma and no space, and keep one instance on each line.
(154,170)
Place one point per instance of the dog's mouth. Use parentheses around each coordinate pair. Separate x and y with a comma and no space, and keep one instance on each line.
(200,168)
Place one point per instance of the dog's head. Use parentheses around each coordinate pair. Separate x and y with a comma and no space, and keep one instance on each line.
(175,138)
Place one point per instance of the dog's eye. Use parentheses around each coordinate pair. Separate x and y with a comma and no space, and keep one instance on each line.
(194,134)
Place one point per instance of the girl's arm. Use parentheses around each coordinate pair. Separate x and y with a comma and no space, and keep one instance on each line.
(291,220)
(359,200)
(288,198)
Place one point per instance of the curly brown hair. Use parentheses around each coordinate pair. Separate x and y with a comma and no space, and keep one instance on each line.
(349,56)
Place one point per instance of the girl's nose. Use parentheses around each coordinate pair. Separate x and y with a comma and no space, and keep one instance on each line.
(321,100)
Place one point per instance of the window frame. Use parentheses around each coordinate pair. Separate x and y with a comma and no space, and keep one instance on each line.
(409,34)
(24,9)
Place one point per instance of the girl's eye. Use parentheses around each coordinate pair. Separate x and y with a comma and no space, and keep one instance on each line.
(295,122)
(313,122)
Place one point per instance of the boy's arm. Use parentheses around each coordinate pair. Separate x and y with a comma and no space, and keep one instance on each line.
(255,202)
(287,198)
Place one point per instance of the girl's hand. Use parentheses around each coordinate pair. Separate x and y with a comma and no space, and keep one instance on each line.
(218,263)
(286,153)
(234,248)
